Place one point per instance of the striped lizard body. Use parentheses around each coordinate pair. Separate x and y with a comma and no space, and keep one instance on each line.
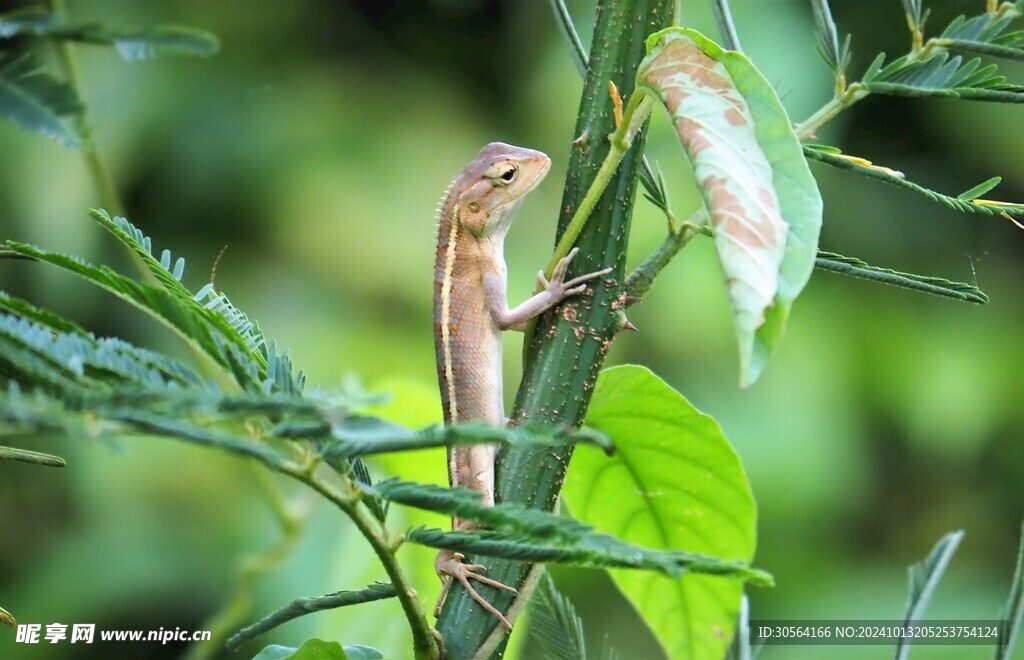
(470,313)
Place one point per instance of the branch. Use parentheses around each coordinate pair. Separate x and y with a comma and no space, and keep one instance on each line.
(938,286)
(303,606)
(93,159)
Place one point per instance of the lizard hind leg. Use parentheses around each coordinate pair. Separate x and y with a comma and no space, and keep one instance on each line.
(450,567)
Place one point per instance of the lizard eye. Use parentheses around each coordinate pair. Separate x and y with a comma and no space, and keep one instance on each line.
(509,174)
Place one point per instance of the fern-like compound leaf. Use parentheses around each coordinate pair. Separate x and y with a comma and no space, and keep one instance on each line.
(36,100)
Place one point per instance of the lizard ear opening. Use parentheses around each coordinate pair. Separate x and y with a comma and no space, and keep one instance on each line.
(474,218)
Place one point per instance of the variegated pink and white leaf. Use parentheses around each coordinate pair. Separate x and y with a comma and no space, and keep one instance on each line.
(764,203)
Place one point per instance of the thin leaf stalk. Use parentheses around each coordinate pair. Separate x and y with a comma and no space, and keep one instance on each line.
(226,621)
(302,467)
(93,159)
(839,104)
(425,645)
(642,278)
(636,113)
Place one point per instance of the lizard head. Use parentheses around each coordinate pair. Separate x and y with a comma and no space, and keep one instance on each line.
(492,187)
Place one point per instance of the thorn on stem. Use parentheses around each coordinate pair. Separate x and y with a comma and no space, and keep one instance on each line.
(628,325)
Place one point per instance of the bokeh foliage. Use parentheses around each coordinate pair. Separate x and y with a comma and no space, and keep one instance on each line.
(886,420)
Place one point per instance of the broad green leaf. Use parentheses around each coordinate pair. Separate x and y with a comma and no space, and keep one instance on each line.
(764,203)
(35,99)
(674,483)
(275,652)
(317,649)
(356,652)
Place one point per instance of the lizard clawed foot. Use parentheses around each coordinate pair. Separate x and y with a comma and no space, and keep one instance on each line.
(558,287)
(450,567)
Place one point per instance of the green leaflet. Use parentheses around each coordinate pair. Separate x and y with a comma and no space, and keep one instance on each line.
(33,457)
(36,100)
(764,203)
(133,45)
(674,483)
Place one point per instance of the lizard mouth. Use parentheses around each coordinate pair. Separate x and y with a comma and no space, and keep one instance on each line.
(539,174)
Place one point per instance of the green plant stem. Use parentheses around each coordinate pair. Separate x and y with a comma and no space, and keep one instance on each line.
(635,115)
(619,141)
(93,159)
(302,606)
(839,104)
(109,196)
(642,278)
(424,643)
(234,613)
(343,494)
(582,61)
(561,369)
(236,609)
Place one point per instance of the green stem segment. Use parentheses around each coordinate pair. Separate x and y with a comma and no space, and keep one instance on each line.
(561,368)
(304,606)
(94,161)
(839,103)
(641,279)
(424,643)
(633,118)
(236,610)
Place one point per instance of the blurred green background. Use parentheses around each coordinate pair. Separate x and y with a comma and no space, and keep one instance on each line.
(316,145)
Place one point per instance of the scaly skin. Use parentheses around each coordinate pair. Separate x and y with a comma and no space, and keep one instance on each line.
(470,313)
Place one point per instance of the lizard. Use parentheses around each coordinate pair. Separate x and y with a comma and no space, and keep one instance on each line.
(471,311)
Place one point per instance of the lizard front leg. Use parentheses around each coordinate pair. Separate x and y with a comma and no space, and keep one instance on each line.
(553,292)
